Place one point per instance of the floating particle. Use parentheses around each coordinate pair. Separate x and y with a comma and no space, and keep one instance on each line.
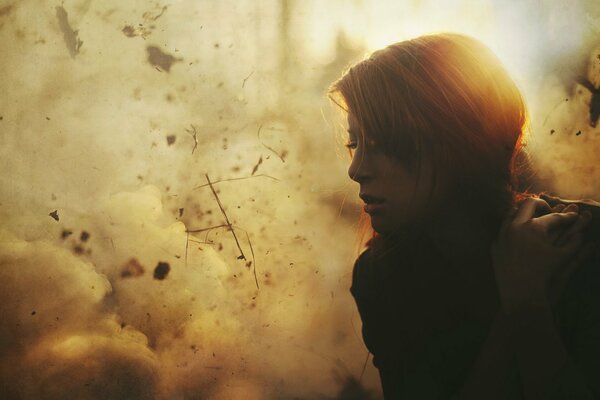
(33,312)
(54,214)
(70,36)
(160,59)
(161,271)
(84,236)
(171,139)
(552,131)
(260,160)
(180,212)
(132,269)
(283,154)
(65,234)
(578,133)
(129,31)
(155,14)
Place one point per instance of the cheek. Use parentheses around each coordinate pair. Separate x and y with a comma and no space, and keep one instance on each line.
(411,200)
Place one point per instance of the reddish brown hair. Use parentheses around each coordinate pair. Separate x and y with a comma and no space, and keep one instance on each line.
(449,97)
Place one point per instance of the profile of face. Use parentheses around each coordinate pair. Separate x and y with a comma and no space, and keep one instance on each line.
(394,196)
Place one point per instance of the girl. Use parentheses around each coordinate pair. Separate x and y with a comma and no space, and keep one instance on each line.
(468,289)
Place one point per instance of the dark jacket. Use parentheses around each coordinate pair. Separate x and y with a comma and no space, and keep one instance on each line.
(424,347)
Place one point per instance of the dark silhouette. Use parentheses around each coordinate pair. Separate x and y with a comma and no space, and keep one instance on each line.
(470,286)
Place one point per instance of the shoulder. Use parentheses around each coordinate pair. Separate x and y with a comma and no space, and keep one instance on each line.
(362,274)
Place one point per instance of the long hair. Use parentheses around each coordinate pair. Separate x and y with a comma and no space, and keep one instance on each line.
(449,98)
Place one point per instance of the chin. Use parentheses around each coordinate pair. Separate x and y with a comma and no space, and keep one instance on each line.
(381,225)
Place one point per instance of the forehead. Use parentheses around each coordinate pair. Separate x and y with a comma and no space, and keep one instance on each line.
(353,126)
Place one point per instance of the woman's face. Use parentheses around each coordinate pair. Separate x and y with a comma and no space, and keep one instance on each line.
(394,197)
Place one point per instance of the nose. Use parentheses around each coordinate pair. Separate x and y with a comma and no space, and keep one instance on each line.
(359,170)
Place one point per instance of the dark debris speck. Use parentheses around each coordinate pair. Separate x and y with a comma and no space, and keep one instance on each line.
(84,236)
(132,268)
(54,214)
(161,271)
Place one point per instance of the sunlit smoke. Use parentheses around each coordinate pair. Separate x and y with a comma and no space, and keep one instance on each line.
(132,132)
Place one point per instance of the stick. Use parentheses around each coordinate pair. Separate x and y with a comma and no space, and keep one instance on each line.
(242,256)
(207,229)
(237,179)
(193,133)
(246,78)
(187,242)
(253,260)
(269,148)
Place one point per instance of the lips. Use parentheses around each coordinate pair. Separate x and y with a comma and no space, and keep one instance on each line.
(372,203)
(370,199)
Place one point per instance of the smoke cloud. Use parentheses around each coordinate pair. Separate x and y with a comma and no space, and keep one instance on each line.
(119,276)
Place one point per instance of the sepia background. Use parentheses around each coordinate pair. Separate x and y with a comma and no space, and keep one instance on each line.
(119,277)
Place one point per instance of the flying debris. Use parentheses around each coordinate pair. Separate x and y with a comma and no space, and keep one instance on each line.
(594,101)
(54,214)
(70,36)
(260,160)
(132,269)
(160,59)
(161,271)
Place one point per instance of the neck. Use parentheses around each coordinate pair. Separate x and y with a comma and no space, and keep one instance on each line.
(464,240)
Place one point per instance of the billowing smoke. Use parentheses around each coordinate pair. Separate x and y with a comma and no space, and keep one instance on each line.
(175,219)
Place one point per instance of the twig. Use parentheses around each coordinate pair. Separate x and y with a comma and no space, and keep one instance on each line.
(246,78)
(551,111)
(201,242)
(242,256)
(253,260)
(237,179)
(194,136)
(260,160)
(268,148)
(207,229)
(187,242)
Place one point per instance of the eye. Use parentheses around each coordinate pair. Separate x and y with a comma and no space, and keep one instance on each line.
(351,145)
